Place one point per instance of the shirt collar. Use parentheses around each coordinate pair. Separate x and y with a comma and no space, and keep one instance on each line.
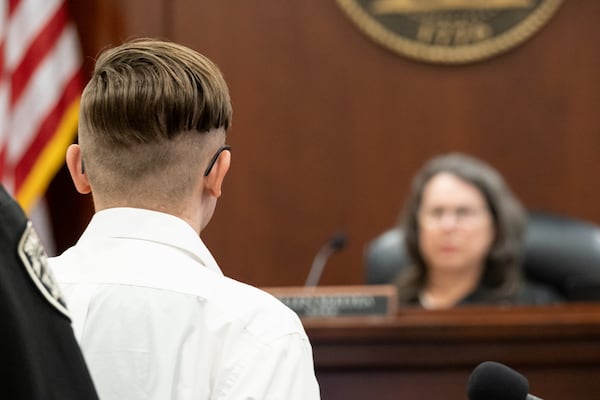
(153,226)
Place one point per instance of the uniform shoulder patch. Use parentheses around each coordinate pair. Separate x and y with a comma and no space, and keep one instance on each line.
(34,258)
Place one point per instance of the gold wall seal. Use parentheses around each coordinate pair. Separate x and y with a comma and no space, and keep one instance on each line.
(449,31)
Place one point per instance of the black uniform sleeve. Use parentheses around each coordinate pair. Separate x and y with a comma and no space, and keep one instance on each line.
(40,358)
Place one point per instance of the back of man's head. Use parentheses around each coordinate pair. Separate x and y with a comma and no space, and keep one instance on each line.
(151,114)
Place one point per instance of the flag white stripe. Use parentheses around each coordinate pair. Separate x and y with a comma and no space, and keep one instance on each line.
(3,21)
(4,79)
(45,86)
(24,25)
(7,179)
(43,90)
(4,114)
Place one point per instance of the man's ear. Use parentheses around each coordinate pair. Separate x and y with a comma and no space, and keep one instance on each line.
(76,169)
(214,180)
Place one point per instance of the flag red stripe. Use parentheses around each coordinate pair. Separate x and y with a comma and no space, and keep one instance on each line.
(45,40)
(3,141)
(3,167)
(2,57)
(12,5)
(41,148)
(47,129)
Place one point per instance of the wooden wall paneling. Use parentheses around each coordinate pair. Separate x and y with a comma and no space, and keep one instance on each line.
(329,127)
(102,23)
(288,187)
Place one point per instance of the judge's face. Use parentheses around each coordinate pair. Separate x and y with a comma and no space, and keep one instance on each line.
(456,229)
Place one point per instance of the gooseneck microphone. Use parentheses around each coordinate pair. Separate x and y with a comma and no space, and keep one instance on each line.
(335,243)
(491,380)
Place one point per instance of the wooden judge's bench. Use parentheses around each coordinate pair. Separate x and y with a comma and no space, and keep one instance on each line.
(418,354)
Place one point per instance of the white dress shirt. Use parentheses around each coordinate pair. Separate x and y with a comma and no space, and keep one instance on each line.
(156,318)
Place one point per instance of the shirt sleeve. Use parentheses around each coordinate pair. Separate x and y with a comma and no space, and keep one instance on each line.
(281,369)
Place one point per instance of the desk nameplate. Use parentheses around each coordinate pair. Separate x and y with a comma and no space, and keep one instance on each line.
(338,301)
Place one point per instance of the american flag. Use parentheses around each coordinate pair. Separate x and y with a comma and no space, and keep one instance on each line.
(40,85)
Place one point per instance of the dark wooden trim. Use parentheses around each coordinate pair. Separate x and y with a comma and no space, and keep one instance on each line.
(555,347)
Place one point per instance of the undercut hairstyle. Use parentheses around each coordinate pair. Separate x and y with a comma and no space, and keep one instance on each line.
(502,274)
(149,118)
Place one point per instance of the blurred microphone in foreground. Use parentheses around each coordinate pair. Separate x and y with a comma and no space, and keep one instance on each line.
(334,244)
(491,380)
